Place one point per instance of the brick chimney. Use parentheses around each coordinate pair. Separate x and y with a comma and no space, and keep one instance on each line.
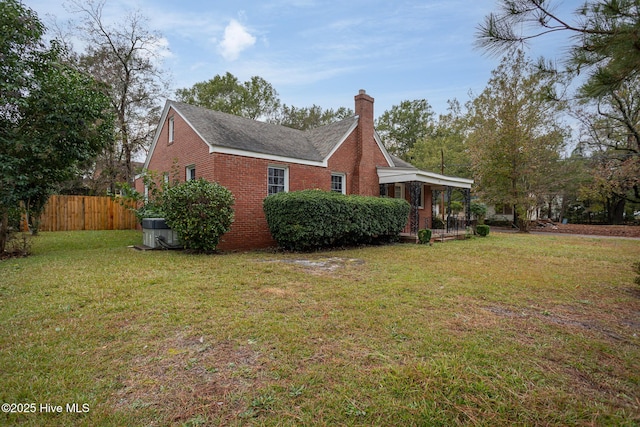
(366,168)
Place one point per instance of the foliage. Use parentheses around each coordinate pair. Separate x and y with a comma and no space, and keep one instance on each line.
(611,138)
(199,211)
(306,118)
(605,37)
(148,205)
(404,125)
(424,236)
(126,57)
(311,219)
(437,223)
(515,138)
(482,230)
(252,99)
(479,210)
(443,149)
(52,117)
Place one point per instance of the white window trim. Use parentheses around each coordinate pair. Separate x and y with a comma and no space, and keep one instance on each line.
(403,193)
(343,177)
(187,174)
(171,130)
(286,177)
(421,196)
(395,191)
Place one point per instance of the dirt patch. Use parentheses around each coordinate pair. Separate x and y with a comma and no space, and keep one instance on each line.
(323,265)
(614,326)
(590,230)
(185,370)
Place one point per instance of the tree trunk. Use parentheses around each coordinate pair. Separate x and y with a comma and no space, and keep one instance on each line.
(616,211)
(4,230)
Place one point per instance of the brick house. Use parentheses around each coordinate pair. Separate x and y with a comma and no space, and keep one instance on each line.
(255,159)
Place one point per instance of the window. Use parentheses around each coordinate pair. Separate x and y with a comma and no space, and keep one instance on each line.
(165,177)
(398,191)
(421,197)
(170,130)
(337,183)
(277,180)
(190,173)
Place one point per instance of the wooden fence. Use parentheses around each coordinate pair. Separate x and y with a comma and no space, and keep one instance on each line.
(69,213)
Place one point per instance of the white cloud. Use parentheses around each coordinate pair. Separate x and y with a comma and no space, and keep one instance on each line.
(236,39)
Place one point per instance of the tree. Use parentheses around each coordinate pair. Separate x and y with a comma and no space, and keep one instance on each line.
(605,35)
(125,57)
(310,117)
(443,149)
(515,138)
(611,124)
(404,125)
(52,117)
(252,99)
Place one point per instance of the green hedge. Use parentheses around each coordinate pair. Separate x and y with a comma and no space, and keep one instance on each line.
(309,219)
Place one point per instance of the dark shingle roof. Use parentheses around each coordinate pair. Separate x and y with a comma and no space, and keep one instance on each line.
(399,163)
(229,131)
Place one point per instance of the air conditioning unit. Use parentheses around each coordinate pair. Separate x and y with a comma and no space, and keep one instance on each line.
(156,232)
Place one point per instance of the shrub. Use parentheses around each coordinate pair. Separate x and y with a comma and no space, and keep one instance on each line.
(199,211)
(147,205)
(482,230)
(424,236)
(304,220)
(437,223)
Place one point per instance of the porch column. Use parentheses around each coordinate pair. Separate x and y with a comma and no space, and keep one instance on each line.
(414,215)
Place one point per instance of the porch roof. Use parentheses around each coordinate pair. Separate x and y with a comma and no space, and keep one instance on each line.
(406,174)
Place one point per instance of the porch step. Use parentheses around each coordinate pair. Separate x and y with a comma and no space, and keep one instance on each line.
(435,238)
(408,238)
(440,239)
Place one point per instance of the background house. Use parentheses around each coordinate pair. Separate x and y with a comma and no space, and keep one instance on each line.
(255,159)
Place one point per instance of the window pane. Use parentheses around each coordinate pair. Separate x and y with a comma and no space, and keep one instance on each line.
(337,183)
(276,180)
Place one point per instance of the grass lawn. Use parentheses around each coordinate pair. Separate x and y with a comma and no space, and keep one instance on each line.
(501,331)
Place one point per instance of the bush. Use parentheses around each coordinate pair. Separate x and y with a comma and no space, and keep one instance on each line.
(482,230)
(199,211)
(309,219)
(424,236)
(437,223)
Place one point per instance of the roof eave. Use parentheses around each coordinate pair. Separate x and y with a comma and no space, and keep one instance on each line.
(393,175)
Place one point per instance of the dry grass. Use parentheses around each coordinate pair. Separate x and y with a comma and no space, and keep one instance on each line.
(507,330)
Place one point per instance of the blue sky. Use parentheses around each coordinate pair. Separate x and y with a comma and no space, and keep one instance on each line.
(323,52)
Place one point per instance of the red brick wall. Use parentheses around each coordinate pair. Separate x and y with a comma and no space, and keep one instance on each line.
(186,149)
(246,178)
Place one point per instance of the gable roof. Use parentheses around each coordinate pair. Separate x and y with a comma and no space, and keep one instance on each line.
(232,134)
